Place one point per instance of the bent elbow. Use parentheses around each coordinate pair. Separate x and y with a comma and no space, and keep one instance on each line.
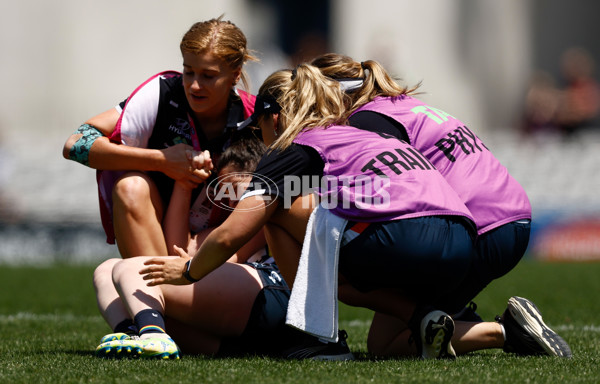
(67,149)
(223,241)
(226,242)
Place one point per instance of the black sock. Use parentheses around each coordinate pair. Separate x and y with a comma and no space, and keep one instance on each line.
(414,324)
(149,321)
(126,326)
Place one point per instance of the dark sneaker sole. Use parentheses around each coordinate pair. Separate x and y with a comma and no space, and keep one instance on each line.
(437,328)
(528,316)
(314,349)
(319,353)
(344,357)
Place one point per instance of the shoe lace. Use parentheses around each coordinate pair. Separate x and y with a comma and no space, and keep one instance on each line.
(342,336)
(472,306)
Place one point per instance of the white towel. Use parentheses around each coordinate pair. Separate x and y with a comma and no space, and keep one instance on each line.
(313,306)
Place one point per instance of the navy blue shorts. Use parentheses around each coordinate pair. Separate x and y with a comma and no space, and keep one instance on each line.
(266,329)
(496,253)
(421,256)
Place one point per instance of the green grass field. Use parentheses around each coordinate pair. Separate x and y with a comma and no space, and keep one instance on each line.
(49,328)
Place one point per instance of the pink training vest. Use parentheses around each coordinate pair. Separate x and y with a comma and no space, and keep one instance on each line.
(492,195)
(370,177)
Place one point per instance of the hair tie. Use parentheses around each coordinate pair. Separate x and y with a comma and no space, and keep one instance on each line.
(294,73)
(362,65)
(351,84)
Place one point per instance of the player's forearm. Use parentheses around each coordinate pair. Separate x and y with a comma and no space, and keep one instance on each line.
(247,220)
(176,224)
(106,155)
(255,244)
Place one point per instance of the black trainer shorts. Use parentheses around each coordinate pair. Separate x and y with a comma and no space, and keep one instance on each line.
(266,331)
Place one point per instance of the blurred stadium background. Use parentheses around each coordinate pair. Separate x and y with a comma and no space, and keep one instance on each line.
(500,66)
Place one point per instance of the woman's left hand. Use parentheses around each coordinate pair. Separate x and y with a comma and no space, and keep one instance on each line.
(166,270)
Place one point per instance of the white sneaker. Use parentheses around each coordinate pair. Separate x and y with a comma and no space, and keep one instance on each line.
(437,328)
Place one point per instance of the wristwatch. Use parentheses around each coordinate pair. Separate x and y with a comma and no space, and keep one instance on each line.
(186,272)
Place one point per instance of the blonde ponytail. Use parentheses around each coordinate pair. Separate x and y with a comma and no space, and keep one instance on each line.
(311,100)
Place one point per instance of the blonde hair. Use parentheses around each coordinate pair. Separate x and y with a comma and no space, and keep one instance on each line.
(376,80)
(276,84)
(221,38)
(309,100)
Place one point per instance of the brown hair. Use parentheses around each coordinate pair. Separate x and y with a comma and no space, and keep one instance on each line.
(243,155)
(222,38)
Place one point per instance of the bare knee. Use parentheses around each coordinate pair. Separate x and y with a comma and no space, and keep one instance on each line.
(125,268)
(103,274)
(132,191)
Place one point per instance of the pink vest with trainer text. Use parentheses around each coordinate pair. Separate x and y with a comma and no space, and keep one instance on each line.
(370,177)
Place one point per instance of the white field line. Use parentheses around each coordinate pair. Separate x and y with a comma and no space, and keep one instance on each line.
(56,318)
(355,323)
(26,316)
(585,328)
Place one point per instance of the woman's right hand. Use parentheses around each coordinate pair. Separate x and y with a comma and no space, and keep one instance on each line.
(180,167)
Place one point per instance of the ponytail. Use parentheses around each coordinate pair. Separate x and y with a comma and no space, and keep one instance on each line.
(375,79)
(311,100)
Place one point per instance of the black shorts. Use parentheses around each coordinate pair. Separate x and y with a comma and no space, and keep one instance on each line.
(423,256)
(497,252)
(266,329)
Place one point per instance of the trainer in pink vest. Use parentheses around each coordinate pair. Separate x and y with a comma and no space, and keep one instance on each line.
(492,195)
